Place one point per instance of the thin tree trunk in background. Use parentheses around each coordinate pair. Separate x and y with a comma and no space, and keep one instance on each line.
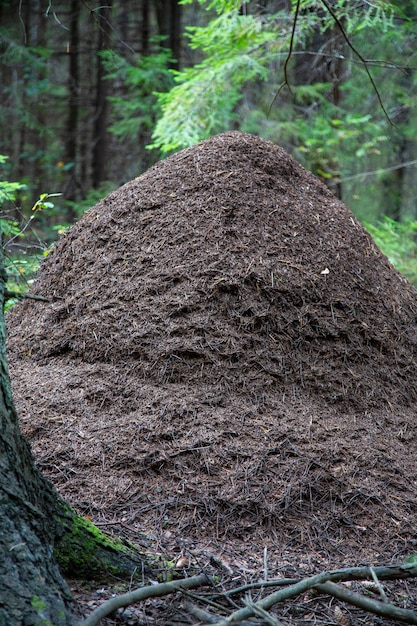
(168,14)
(175,34)
(71,131)
(101,103)
(39,139)
(145,27)
(396,201)
(393,182)
(326,67)
(22,166)
(30,148)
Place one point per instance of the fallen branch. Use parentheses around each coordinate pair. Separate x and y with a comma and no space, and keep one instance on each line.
(318,582)
(368,604)
(151,591)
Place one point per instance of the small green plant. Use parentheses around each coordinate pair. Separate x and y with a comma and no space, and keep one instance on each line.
(8,190)
(43,201)
(22,256)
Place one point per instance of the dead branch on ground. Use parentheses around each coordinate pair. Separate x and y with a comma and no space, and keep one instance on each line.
(151,591)
(325,583)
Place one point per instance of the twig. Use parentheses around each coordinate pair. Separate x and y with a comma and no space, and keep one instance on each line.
(200,614)
(277,582)
(287,60)
(360,57)
(383,170)
(208,618)
(260,612)
(274,598)
(378,585)
(10,295)
(367,604)
(151,591)
(207,601)
(265,563)
(296,267)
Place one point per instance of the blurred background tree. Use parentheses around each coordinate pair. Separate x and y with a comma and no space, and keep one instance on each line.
(93,95)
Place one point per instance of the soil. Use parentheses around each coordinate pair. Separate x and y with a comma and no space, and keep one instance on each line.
(227,368)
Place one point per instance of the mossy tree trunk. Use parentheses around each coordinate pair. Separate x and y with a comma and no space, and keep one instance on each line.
(38,529)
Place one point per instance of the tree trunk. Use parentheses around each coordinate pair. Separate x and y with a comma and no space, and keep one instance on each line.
(145,28)
(71,133)
(168,15)
(327,66)
(396,201)
(101,104)
(38,529)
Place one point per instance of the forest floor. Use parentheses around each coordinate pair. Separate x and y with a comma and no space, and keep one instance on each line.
(226,376)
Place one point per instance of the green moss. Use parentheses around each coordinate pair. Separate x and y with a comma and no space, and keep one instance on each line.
(37,604)
(412,559)
(83,551)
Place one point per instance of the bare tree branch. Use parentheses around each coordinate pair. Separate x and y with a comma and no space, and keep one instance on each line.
(151,591)
(367,604)
(288,58)
(360,57)
(378,585)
